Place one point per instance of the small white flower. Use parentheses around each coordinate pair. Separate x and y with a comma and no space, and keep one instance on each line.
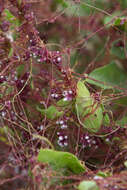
(64,126)
(86,137)
(70,91)
(61,138)
(3,113)
(59,59)
(65,99)
(107,139)
(66,137)
(38,60)
(52,95)
(56,95)
(41,127)
(61,122)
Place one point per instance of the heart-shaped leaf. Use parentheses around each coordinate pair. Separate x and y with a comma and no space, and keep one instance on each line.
(85,105)
(51,112)
(111,75)
(59,159)
(88,185)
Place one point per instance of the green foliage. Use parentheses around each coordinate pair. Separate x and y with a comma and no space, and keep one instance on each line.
(11,18)
(106,119)
(108,20)
(59,160)
(51,112)
(84,107)
(10,52)
(111,75)
(103,174)
(88,185)
(71,38)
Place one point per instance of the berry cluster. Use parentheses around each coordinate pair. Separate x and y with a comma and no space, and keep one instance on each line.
(62,134)
(87,141)
(68,95)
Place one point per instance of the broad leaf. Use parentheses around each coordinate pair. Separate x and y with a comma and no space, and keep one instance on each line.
(11,18)
(59,159)
(85,105)
(88,185)
(51,112)
(111,75)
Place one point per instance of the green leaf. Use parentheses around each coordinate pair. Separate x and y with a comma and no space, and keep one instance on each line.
(83,99)
(84,107)
(9,15)
(88,185)
(108,21)
(103,174)
(51,112)
(59,160)
(121,23)
(117,50)
(111,75)
(10,52)
(106,118)
(82,90)
(116,21)
(63,103)
(11,18)
(94,121)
